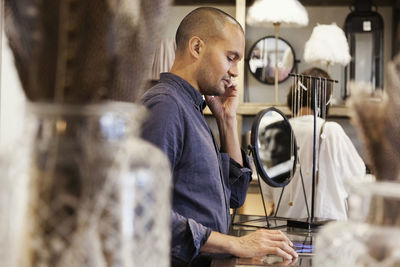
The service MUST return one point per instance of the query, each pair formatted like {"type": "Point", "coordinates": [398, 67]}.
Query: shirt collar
{"type": "Point", "coordinates": [194, 96]}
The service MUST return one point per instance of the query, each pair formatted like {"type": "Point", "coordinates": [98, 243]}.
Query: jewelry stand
{"type": "Point", "coordinates": [312, 222]}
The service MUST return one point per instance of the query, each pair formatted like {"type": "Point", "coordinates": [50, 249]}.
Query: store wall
{"type": "Point", "coordinates": [297, 37]}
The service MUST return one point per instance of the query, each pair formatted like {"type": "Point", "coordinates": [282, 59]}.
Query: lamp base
{"type": "Point", "coordinates": [307, 223]}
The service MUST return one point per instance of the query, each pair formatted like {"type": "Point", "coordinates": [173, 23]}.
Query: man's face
{"type": "Point", "coordinates": [219, 62]}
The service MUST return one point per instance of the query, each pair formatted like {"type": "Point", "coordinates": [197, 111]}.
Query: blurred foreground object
{"type": "Point", "coordinates": [371, 236]}
{"type": "Point", "coordinates": [377, 120]}
{"type": "Point", "coordinates": [90, 195]}
{"type": "Point", "coordinates": [83, 51]}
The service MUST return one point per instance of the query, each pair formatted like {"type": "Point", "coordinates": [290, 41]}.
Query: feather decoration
{"type": "Point", "coordinates": [377, 121]}
{"type": "Point", "coordinates": [70, 51]}
{"type": "Point", "coordinates": [378, 124]}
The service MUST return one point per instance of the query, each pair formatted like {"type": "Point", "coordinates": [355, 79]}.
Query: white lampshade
{"type": "Point", "coordinates": [327, 45]}
{"type": "Point", "coordinates": [266, 13]}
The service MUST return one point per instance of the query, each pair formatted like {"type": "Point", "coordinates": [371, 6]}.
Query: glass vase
{"type": "Point", "coordinates": [96, 194]}
{"type": "Point", "coordinates": [371, 235]}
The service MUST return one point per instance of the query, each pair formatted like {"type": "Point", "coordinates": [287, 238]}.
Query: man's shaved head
{"type": "Point", "coordinates": [204, 22]}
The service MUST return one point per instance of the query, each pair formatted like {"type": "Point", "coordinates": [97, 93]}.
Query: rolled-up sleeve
{"type": "Point", "coordinates": [188, 237]}
{"type": "Point", "coordinates": [239, 180]}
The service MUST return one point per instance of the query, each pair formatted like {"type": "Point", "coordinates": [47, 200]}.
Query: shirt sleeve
{"type": "Point", "coordinates": [162, 128]}
{"type": "Point", "coordinates": [239, 180]}
{"type": "Point", "coordinates": [188, 237]}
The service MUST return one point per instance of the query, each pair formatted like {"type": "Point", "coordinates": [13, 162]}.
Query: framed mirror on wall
{"type": "Point", "coordinates": [261, 60]}
{"type": "Point", "coordinates": [364, 31]}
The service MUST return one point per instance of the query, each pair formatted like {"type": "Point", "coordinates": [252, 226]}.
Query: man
{"type": "Point", "coordinates": [207, 181]}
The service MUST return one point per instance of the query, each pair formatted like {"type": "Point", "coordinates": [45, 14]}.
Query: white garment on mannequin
{"type": "Point", "coordinates": [164, 57]}
{"type": "Point", "coordinates": [339, 163]}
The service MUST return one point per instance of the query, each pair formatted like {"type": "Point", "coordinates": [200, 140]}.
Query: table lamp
{"type": "Point", "coordinates": [282, 13]}
{"type": "Point", "coordinates": [327, 46]}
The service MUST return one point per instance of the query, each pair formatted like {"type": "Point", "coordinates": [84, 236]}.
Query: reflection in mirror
{"type": "Point", "coordinates": [274, 146]}
{"type": "Point", "coordinates": [262, 60]}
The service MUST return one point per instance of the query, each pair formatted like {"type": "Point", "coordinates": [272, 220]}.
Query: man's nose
{"type": "Point", "coordinates": [233, 70]}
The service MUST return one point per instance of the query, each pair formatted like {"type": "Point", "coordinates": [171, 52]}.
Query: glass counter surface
{"type": "Point", "coordinates": [245, 224]}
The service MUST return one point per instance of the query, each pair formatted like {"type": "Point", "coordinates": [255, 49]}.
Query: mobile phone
{"type": "Point", "coordinates": [303, 246]}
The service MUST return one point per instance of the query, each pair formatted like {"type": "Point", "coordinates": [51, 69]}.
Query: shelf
{"type": "Point", "coordinates": [247, 109]}
{"type": "Point", "coordinates": [251, 109]}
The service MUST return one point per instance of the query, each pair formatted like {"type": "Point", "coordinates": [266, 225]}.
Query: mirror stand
{"type": "Point", "coordinates": [257, 222]}
{"type": "Point", "coordinates": [252, 150]}
{"type": "Point", "coordinates": [305, 223]}
{"type": "Point", "coordinates": [279, 222]}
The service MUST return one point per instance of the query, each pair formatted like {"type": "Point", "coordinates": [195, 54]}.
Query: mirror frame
{"type": "Point", "coordinates": [254, 45]}
{"type": "Point", "coordinates": [254, 141]}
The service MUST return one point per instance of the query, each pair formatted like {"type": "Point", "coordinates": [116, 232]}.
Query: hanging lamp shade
{"type": "Point", "coordinates": [266, 13]}
{"type": "Point", "coordinates": [327, 45]}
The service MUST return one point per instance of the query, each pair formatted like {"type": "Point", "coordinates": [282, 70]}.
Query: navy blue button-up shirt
{"type": "Point", "coordinates": [206, 182]}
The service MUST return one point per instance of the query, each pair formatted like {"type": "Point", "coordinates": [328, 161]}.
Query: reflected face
{"type": "Point", "coordinates": [275, 150]}
{"type": "Point", "coordinates": [274, 146]}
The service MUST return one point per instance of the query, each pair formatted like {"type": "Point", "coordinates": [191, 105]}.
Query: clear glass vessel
{"type": "Point", "coordinates": [95, 193]}
{"type": "Point", "coordinates": [371, 235]}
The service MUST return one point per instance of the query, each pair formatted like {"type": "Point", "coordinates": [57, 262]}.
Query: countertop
{"type": "Point", "coordinates": [245, 224]}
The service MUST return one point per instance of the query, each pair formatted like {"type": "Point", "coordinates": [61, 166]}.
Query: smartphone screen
{"type": "Point", "coordinates": [303, 246]}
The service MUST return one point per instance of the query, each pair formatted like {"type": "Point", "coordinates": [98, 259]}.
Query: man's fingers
{"type": "Point", "coordinates": [276, 260]}
{"type": "Point", "coordinates": [279, 242]}
{"type": "Point", "coordinates": [265, 242]}
{"type": "Point", "coordinates": [280, 236]}
{"type": "Point", "coordinates": [281, 249]}
{"type": "Point", "coordinates": [276, 235]}
{"type": "Point", "coordinates": [233, 85]}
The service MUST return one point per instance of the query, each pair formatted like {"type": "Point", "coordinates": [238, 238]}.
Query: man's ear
{"type": "Point", "coordinates": [196, 46]}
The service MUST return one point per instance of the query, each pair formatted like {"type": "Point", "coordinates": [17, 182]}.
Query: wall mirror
{"type": "Point", "coordinates": [364, 31]}
{"type": "Point", "coordinates": [261, 60]}
{"type": "Point", "coordinates": [274, 147]}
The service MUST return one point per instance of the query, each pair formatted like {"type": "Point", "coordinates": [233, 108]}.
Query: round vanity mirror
{"type": "Point", "coordinates": [262, 60]}
{"type": "Point", "coordinates": [274, 147]}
